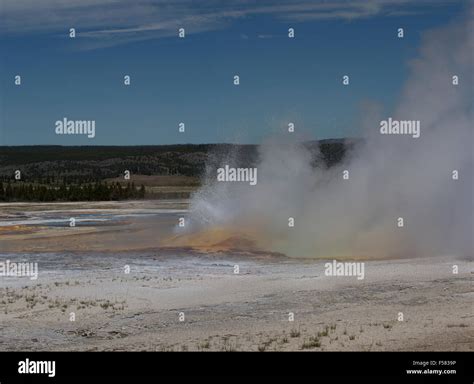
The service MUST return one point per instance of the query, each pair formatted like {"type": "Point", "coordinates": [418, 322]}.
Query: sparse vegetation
{"type": "Point", "coordinates": [324, 333]}
{"type": "Point", "coordinates": [312, 342]}
{"type": "Point", "coordinates": [205, 345]}
{"type": "Point", "coordinates": [295, 333]}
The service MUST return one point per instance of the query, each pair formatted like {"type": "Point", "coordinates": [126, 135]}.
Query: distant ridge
{"type": "Point", "coordinates": [95, 163]}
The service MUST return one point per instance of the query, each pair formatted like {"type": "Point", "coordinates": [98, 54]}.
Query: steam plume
{"type": "Point", "coordinates": [390, 176]}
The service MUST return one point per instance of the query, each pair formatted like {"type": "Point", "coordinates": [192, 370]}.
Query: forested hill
{"type": "Point", "coordinates": [86, 164]}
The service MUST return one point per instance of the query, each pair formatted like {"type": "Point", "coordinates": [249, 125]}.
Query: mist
{"type": "Point", "coordinates": [389, 176]}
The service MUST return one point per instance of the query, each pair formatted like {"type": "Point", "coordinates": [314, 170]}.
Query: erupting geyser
{"type": "Point", "coordinates": [403, 195]}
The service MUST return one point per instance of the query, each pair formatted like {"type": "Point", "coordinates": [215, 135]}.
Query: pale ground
{"type": "Point", "coordinates": [223, 310]}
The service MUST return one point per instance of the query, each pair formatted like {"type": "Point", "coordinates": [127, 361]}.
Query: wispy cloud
{"type": "Point", "coordinates": [110, 22]}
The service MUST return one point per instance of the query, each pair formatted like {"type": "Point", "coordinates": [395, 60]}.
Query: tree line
{"type": "Point", "coordinates": [85, 192]}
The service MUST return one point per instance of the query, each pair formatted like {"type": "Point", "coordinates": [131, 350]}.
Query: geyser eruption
{"type": "Point", "coordinates": [405, 195]}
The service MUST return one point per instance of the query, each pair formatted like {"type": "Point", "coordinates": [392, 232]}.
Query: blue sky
{"type": "Point", "coordinates": [190, 80]}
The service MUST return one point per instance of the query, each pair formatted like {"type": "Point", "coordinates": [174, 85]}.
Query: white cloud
{"type": "Point", "coordinates": [109, 22]}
